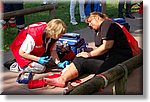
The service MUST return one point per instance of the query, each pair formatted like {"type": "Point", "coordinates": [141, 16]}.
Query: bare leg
{"type": "Point", "coordinates": [69, 74]}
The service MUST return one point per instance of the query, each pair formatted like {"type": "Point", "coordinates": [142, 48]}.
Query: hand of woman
{"type": "Point", "coordinates": [83, 54]}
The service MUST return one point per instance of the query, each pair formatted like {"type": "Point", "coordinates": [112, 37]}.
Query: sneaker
{"type": "Point", "coordinates": [20, 27]}
{"type": "Point", "coordinates": [82, 20]}
{"type": "Point", "coordinates": [9, 63]}
{"type": "Point", "coordinates": [44, 3]}
{"type": "Point", "coordinates": [12, 22]}
{"type": "Point", "coordinates": [14, 67]}
{"type": "Point", "coordinates": [73, 22]}
{"type": "Point", "coordinates": [130, 16]}
{"type": "Point", "coordinates": [3, 24]}
{"type": "Point", "coordinates": [34, 67]}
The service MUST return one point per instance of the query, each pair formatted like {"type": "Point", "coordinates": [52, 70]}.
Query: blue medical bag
{"type": "Point", "coordinates": [71, 41]}
{"type": "Point", "coordinates": [123, 22]}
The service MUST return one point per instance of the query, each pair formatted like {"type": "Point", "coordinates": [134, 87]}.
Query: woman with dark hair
{"type": "Point", "coordinates": [112, 48]}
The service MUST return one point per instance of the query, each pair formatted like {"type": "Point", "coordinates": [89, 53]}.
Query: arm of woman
{"type": "Point", "coordinates": [102, 49]}
{"type": "Point", "coordinates": [55, 55]}
{"type": "Point", "coordinates": [28, 56]}
{"type": "Point", "coordinates": [107, 44]}
{"type": "Point", "coordinates": [26, 47]}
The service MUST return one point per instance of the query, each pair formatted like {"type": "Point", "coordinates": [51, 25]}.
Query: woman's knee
{"type": "Point", "coordinates": [35, 67]}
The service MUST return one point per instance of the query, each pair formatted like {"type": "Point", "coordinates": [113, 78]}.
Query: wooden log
{"type": "Point", "coordinates": [120, 85]}
{"type": "Point", "coordinates": [28, 11]}
{"type": "Point", "coordinates": [113, 74]}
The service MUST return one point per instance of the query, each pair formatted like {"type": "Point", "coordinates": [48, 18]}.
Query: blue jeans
{"type": "Point", "coordinates": [81, 8]}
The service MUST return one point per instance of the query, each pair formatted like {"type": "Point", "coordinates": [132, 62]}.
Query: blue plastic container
{"type": "Point", "coordinates": [123, 22]}
{"type": "Point", "coordinates": [73, 40]}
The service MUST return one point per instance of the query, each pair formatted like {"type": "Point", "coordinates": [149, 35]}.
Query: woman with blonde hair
{"type": "Point", "coordinates": [36, 43]}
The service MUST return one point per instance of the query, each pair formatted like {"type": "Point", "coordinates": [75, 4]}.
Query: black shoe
{"type": "Point", "coordinates": [9, 63]}
{"type": "Point", "coordinates": [130, 16]}
{"type": "Point", "coordinates": [44, 4]}
{"type": "Point", "coordinates": [19, 29]}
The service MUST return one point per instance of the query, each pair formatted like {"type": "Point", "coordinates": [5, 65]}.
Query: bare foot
{"type": "Point", "coordinates": [58, 82]}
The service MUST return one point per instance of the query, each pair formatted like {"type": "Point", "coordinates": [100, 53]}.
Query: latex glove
{"type": "Point", "coordinates": [43, 60]}
{"type": "Point", "coordinates": [63, 64]}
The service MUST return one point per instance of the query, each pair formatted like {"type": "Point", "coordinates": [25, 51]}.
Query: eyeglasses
{"type": "Point", "coordinates": [90, 21]}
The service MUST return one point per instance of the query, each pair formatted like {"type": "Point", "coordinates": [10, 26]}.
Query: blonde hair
{"type": "Point", "coordinates": [55, 28]}
{"type": "Point", "coordinates": [94, 14]}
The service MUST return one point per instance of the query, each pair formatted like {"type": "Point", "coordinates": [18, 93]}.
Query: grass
{"type": "Point", "coordinates": [62, 12]}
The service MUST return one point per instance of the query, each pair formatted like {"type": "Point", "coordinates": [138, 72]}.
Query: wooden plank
{"type": "Point", "coordinates": [28, 11]}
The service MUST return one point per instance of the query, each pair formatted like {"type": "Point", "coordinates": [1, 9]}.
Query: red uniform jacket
{"type": "Point", "coordinates": [131, 40]}
{"type": "Point", "coordinates": [36, 31]}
